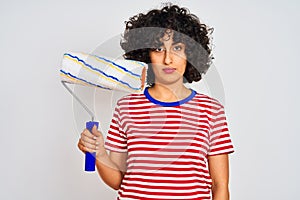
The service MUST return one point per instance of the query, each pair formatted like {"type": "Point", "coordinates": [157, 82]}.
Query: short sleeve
{"type": "Point", "coordinates": [219, 137]}
{"type": "Point", "coordinates": [116, 139]}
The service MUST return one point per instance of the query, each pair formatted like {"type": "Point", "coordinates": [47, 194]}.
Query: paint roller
{"type": "Point", "coordinates": [101, 72]}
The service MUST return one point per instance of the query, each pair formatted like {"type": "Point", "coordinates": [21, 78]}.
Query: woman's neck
{"type": "Point", "coordinates": [168, 93]}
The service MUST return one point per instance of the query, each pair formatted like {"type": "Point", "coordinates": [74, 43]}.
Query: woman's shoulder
{"type": "Point", "coordinates": [207, 99]}
{"type": "Point", "coordinates": [131, 98]}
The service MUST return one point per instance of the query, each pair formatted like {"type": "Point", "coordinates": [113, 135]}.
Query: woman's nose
{"type": "Point", "coordinates": [168, 57]}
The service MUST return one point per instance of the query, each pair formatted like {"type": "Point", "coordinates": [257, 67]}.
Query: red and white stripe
{"type": "Point", "coordinates": [168, 146]}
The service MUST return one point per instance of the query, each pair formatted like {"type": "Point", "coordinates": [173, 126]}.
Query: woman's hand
{"type": "Point", "coordinates": [92, 142]}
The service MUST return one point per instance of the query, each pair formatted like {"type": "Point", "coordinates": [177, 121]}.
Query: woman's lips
{"type": "Point", "coordinates": [169, 70]}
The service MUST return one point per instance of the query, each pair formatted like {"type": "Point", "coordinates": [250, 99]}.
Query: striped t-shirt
{"type": "Point", "coordinates": [168, 144]}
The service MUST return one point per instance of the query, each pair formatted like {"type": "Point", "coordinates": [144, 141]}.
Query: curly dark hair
{"type": "Point", "coordinates": [144, 31]}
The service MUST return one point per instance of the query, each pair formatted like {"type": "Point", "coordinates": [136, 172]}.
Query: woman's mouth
{"type": "Point", "coordinates": [169, 70]}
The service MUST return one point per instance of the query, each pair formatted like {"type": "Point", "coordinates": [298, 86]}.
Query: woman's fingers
{"type": "Point", "coordinates": [89, 142]}
{"type": "Point", "coordinates": [87, 147]}
{"type": "Point", "coordinates": [87, 133]}
{"type": "Point", "coordinates": [81, 147]}
{"type": "Point", "coordinates": [96, 132]}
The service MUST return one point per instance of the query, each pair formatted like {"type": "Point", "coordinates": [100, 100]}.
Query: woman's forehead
{"type": "Point", "coordinates": [171, 36]}
{"type": "Point", "coordinates": [168, 35]}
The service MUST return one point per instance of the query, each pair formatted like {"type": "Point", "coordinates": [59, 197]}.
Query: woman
{"type": "Point", "coordinates": [169, 142]}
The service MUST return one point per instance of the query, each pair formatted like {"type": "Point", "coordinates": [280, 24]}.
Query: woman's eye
{"type": "Point", "coordinates": [177, 48]}
{"type": "Point", "coordinates": [159, 49]}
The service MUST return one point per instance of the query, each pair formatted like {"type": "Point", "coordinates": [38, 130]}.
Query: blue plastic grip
{"type": "Point", "coordinates": [90, 158]}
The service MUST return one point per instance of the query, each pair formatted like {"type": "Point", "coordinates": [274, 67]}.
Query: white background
{"type": "Point", "coordinates": [256, 46]}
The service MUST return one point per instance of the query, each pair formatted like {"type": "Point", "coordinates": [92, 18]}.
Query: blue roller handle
{"type": "Point", "coordinates": [90, 158]}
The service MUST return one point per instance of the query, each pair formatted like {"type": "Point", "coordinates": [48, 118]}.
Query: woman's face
{"type": "Point", "coordinates": [168, 61]}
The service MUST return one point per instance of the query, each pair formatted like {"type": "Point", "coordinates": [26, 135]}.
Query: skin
{"type": "Point", "coordinates": [219, 172]}
{"type": "Point", "coordinates": [169, 64]}
{"type": "Point", "coordinates": [110, 167]}
{"type": "Point", "coordinates": [169, 86]}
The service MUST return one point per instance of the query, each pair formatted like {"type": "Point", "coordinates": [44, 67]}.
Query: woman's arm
{"type": "Point", "coordinates": [110, 167]}
{"type": "Point", "coordinates": [219, 172]}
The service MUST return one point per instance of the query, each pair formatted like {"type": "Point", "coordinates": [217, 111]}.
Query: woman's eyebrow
{"type": "Point", "coordinates": [173, 43]}
{"type": "Point", "coordinates": [177, 43]}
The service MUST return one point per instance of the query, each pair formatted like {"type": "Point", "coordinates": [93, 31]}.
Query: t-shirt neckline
{"type": "Point", "coordinates": [174, 103]}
